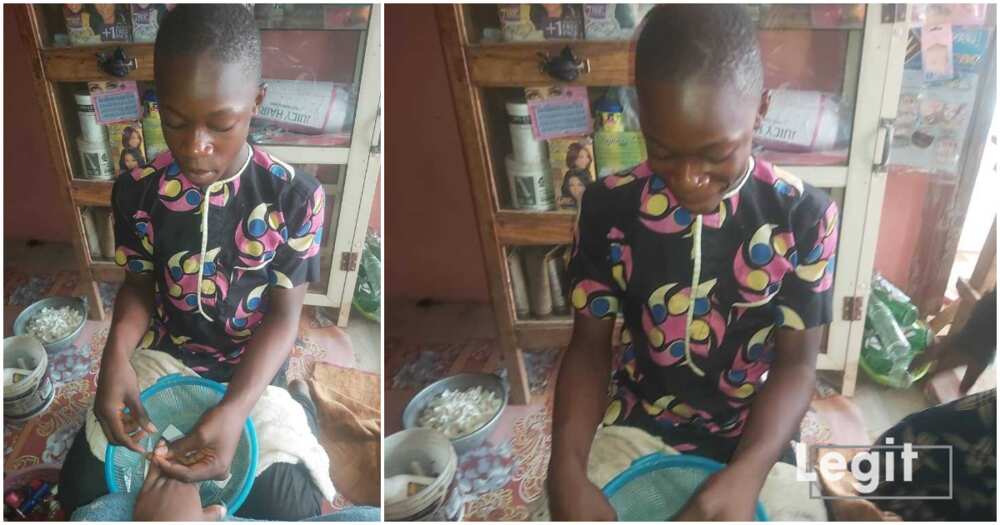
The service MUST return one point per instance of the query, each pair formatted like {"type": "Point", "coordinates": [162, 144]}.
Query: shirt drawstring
{"type": "Point", "coordinates": [205, 206]}
{"type": "Point", "coordinates": [695, 278]}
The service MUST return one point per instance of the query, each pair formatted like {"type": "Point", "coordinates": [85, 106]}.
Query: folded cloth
{"type": "Point", "coordinates": [616, 447]}
{"type": "Point", "coordinates": [283, 434]}
{"type": "Point", "coordinates": [349, 416]}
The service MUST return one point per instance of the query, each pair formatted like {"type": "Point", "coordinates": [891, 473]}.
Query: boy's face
{"type": "Point", "coordinates": [698, 137]}
{"type": "Point", "coordinates": [205, 108]}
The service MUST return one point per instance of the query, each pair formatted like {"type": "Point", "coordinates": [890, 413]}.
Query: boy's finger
{"type": "Point", "coordinates": [140, 416]}
{"type": "Point", "coordinates": [182, 472]}
{"type": "Point", "coordinates": [115, 432]}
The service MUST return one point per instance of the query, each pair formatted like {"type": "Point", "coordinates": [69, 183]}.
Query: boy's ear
{"type": "Point", "coordinates": [765, 102]}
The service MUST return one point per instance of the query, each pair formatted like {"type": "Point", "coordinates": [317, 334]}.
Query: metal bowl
{"type": "Point", "coordinates": [21, 322]}
{"type": "Point", "coordinates": [472, 440]}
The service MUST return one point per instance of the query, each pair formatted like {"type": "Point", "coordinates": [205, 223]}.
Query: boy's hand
{"type": "Point", "coordinates": [724, 496]}
{"type": "Point", "coordinates": [117, 389]}
{"type": "Point", "coordinates": [207, 451]}
{"type": "Point", "coordinates": [166, 499]}
{"type": "Point", "coordinates": [577, 499]}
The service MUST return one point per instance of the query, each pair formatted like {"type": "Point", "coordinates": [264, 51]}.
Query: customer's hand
{"type": "Point", "coordinates": [725, 496]}
{"type": "Point", "coordinates": [207, 451]}
{"type": "Point", "coordinates": [572, 497]}
{"type": "Point", "coordinates": [166, 499]}
{"type": "Point", "coordinates": [948, 355]}
{"type": "Point", "coordinates": [118, 389]}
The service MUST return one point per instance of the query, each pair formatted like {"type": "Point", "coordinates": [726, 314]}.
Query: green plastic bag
{"type": "Point", "coordinates": [368, 292]}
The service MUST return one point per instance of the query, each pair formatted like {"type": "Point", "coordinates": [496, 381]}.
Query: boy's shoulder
{"type": "Point", "coordinates": [137, 182]}
{"type": "Point", "coordinates": [282, 177]}
{"type": "Point", "coordinates": [618, 189]}
{"type": "Point", "coordinates": [780, 187]}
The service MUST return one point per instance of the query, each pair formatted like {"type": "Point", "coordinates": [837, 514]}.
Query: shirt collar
{"type": "Point", "coordinates": [743, 180]}
{"type": "Point", "coordinates": [221, 183]}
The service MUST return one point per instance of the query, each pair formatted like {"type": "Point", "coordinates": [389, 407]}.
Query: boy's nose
{"type": "Point", "coordinates": [200, 146]}
{"type": "Point", "coordinates": [689, 176]}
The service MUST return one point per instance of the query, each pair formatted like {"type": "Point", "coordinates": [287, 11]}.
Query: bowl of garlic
{"type": "Point", "coordinates": [55, 321]}
{"type": "Point", "coordinates": [463, 407]}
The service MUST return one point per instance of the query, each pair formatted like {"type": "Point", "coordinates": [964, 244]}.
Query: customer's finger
{"type": "Point", "coordinates": [214, 513]}
{"type": "Point", "coordinates": [972, 374]}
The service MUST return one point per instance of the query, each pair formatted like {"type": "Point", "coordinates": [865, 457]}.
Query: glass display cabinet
{"type": "Point", "coordinates": [321, 115]}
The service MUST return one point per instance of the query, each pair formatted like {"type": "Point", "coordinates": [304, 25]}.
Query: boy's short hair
{"type": "Point", "coordinates": [713, 42]}
{"type": "Point", "coordinates": [227, 32]}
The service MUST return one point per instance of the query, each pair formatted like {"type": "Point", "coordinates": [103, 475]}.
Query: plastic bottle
{"type": "Point", "coordinates": [900, 304]}
{"type": "Point", "coordinates": [894, 343]}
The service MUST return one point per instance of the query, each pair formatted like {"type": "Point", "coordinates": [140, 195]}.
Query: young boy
{"type": "Point", "coordinates": [219, 241]}
{"type": "Point", "coordinates": [721, 265]}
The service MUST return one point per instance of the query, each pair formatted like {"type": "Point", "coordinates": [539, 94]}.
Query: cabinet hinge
{"type": "Point", "coordinates": [852, 308]}
{"type": "Point", "coordinates": [348, 261]}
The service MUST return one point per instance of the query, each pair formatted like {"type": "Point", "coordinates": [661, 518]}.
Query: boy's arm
{"type": "Point", "coordinates": [213, 442]}
{"type": "Point", "coordinates": [267, 351]}
{"type": "Point", "coordinates": [775, 415]}
{"type": "Point", "coordinates": [581, 398]}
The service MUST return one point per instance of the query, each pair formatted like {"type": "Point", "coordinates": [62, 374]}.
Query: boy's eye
{"type": "Point", "coordinates": [223, 129]}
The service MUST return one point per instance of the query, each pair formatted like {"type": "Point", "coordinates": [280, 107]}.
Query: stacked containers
{"type": "Point", "coordinates": [527, 167]}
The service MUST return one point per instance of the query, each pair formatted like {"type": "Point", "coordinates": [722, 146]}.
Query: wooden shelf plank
{"type": "Point", "coordinates": [522, 228]}
{"type": "Point", "coordinates": [91, 192]}
{"type": "Point", "coordinates": [551, 333]}
{"type": "Point", "coordinates": [106, 271]}
{"type": "Point", "coordinates": [79, 64]}
{"type": "Point", "coordinates": [517, 64]}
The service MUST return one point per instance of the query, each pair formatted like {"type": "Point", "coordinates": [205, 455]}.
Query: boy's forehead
{"type": "Point", "coordinates": [204, 77]}
{"type": "Point", "coordinates": [696, 112]}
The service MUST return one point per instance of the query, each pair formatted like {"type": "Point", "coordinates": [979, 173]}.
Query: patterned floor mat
{"type": "Point", "coordinates": [46, 438]}
{"type": "Point", "coordinates": [504, 479]}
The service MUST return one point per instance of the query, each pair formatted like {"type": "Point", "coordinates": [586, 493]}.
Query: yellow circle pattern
{"type": "Point", "coordinates": [758, 280]}
{"type": "Point", "coordinates": [579, 297]}
{"type": "Point", "coordinates": [657, 204]}
{"type": "Point", "coordinates": [655, 337]}
{"type": "Point", "coordinates": [699, 330]}
{"type": "Point", "coordinates": [678, 304]}
{"type": "Point", "coordinates": [172, 188]}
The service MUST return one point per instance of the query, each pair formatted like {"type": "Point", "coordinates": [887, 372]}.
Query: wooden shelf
{"type": "Point", "coordinates": [525, 228]}
{"type": "Point", "coordinates": [517, 64]}
{"type": "Point", "coordinates": [91, 192]}
{"type": "Point", "coordinates": [79, 64]}
{"type": "Point", "coordinates": [550, 333]}
{"type": "Point", "coordinates": [106, 271]}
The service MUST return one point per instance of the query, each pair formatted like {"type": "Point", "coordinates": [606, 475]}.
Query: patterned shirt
{"type": "Point", "coordinates": [701, 295]}
{"type": "Point", "coordinates": [215, 254]}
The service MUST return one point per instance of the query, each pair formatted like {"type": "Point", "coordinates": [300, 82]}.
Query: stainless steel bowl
{"type": "Point", "coordinates": [470, 441]}
{"type": "Point", "coordinates": [21, 322]}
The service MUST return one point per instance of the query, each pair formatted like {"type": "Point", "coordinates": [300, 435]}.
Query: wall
{"type": "Point", "coordinates": [900, 226]}
{"type": "Point", "coordinates": [34, 207]}
{"type": "Point", "coordinates": [432, 241]}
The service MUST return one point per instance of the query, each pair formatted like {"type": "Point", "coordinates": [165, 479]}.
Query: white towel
{"type": "Point", "coordinates": [283, 433]}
